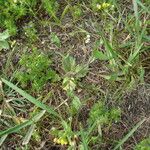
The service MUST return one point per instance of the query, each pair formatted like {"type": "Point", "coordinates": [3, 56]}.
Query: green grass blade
{"type": "Point", "coordinates": [2, 139]}
{"type": "Point", "coordinates": [135, 7]}
{"type": "Point", "coordinates": [65, 11]}
{"type": "Point", "coordinates": [23, 125]}
{"type": "Point", "coordinates": [16, 128]}
{"type": "Point", "coordinates": [129, 134]}
{"type": "Point", "coordinates": [31, 99]}
{"type": "Point", "coordinates": [84, 140]}
{"type": "Point", "coordinates": [136, 14]}
{"type": "Point", "coordinates": [144, 8]}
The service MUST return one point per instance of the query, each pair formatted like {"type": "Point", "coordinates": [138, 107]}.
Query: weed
{"type": "Point", "coordinates": [73, 72]}
{"type": "Point", "coordinates": [65, 136]}
{"type": "Point", "coordinates": [35, 70]}
{"type": "Point", "coordinates": [11, 11]}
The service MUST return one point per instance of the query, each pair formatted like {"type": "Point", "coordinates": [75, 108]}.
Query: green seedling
{"type": "Point", "coordinates": [98, 5]}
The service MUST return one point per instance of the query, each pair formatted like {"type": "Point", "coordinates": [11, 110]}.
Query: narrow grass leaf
{"type": "Point", "coordinates": [2, 139]}
{"type": "Point", "coordinates": [83, 137]}
{"type": "Point", "coordinates": [129, 134]}
{"type": "Point", "coordinates": [135, 7]}
{"type": "Point", "coordinates": [28, 135]}
{"type": "Point", "coordinates": [65, 11]}
{"type": "Point", "coordinates": [31, 99]}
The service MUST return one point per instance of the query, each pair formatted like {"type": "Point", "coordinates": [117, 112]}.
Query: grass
{"type": "Point", "coordinates": [74, 74]}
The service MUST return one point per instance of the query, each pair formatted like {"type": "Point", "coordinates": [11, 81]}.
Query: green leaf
{"type": "Point", "coordinates": [4, 45]}
{"type": "Point", "coordinates": [121, 142]}
{"type": "Point", "coordinates": [100, 55]}
{"type": "Point", "coordinates": [23, 125]}
{"type": "Point", "coordinates": [84, 140]}
{"type": "Point", "coordinates": [31, 99]}
{"type": "Point", "coordinates": [68, 63]}
{"type": "Point", "coordinates": [81, 71]}
{"type": "Point", "coordinates": [4, 35]}
{"type": "Point", "coordinates": [55, 40]}
{"type": "Point", "coordinates": [69, 84]}
{"type": "Point", "coordinates": [76, 103]}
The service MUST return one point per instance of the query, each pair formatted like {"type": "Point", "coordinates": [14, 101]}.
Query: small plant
{"type": "Point", "coordinates": [35, 70]}
{"type": "Point", "coordinates": [73, 72]}
{"type": "Point", "coordinates": [99, 116]}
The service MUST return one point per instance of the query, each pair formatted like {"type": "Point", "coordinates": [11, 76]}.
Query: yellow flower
{"type": "Point", "coordinates": [55, 140]}
{"type": "Point", "coordinates": [103, 6]}
{"type": "Point", "coordinates": [61, 141]}
{"type": "Point", "coordinates": [18, 120]}
{"type": "Point", "coordinates": [15, 1]}
{"type": "Point", "coordinates": [98, 6]}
